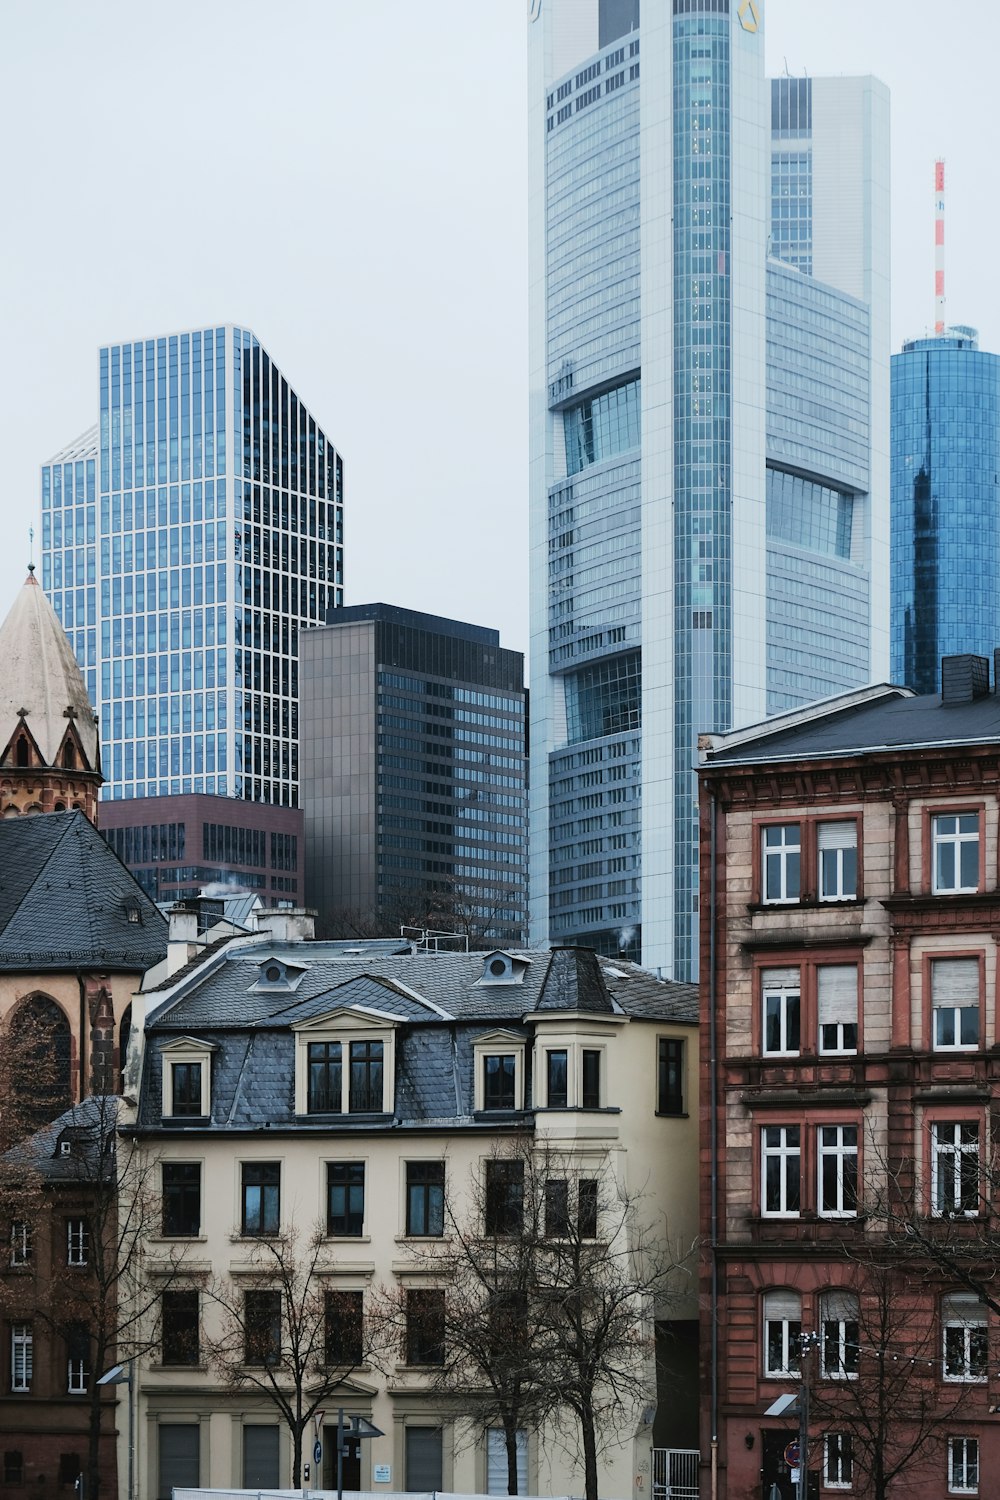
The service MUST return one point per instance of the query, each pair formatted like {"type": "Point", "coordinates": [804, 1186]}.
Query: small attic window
{"type": "Point", "coordinates": [132, 912]}
{"type": "Point", "coordinates": [69, 756]}
{"type": "Point", "coordinates": [274, 974]}
{"type": "Point", "coordinates": [500, 967]}
{"type": "Point", "coordinates": [65, 1148]}
{"type": "Point", "coordinates": [22, 751]}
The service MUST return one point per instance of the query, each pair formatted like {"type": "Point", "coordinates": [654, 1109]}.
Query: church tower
{"type": "Point", "coordinates": [50, 760]}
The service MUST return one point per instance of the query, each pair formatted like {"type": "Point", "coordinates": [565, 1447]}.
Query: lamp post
{"type": "Point", "coordinates": [123, 1375]}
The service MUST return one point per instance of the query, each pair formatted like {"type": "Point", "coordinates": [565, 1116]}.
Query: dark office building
{"type": "Point", "coordinates": [413, 774]}
{"type": "Point", "coordinates": [177, 847]}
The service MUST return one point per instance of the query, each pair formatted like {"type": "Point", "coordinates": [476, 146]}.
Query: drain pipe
{"type": "Point", "coordinates": [713, 1137]}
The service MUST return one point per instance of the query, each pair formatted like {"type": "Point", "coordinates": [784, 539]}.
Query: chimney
{"type": "Point", "coordinates": [964, 678]}
{"type": "Point", "coordinates": [286, 925]}
{"type": "Point", "coordinates": [182, 935]}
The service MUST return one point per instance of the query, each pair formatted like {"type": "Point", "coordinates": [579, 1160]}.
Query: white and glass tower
{"type": "Point", "coordinates": [701, 439]}
{"type": "Point", "coordinates": [185, 541]}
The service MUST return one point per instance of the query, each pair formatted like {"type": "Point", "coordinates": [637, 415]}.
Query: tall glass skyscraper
{"type": "Point", "coordinates": [707, 428]}
{"type": "Point", "coordinates": [945, 505]}
{"type": "Point", "coordinates": [185, 541]}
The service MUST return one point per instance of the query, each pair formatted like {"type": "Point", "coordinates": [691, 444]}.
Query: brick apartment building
{"type": "Point", "coordinates": [850, 945]}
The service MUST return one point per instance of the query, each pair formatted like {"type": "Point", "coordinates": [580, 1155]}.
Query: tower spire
{"type": "Point", "coordinates": [939, 246]}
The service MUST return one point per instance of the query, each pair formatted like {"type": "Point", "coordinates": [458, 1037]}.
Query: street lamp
{"type": "Point", "coordinates": [790, 1405]}
{"type": "Point", "coordinates": [122, 1375]}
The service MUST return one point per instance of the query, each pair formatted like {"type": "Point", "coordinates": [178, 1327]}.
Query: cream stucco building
{"type": "Point", "coordinates": [283, 1083]}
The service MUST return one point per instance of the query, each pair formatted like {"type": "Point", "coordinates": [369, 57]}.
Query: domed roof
{"type": "Point", "coordinates": [41, 678]}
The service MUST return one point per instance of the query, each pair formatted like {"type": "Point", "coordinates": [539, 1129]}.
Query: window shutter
{"type": "Point", "coordinates": [837, 835]}
{"type": "Point", "coordinates": [423, 1458]}
{"type": "Point", "coordinates": [260, 1457]}
{"type": "Point", "coordinates": [964, 1307]}
{"type": "Point", "coordinates": [783, 1306]}
{"type": "Point", "coordinates": [179, 1456]}
{"type": "Point", "coordinates": [496, 1461]}
{"type": "Point", "coordinates": [837, 993]}
{"type": "Point", "coordinates": [840, 1307]}
{"type": "Point", "coordinates": [779, 979]}
{"type": "Point", "coordinates": [955, 981]}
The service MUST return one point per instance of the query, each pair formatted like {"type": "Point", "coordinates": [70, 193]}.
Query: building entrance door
{"type": "Point", "coordinates": [776, 1472]}
{"type": "Point", "coordinates": [352, 1460]}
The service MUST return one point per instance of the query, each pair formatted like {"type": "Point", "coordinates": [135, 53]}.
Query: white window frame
{"type": "Point", "coordinates": [785, 1152]}
{"type": "Point", "coordinates": [840, 1326]}
{"type": "Point", "coordinates": [21, 1356]}
{"type": "Point", "coordinates": [778, 856]}
{"type": "Point", "coordinates": [187, 1050]}
{"type": "Point", "coordinates": [947, 1158]}
{"type": "Point", "coordinates": [836, 1009]}
{"type": "Point", "coordinates": [20, 1243]}
{"type": "Point", "coordinates": [77, 1242]}
{"type": "Point", "coordinates": [836, 1461]}
{"type": "Point", "coordinates": [789, 997]}
{"type": "Point", "coordinates": [963, 1455]}
{"type": "Point", "coordinates": [76, 1377]}
{"type": "Point", "coordinates": [840, 1150]}
{"type": "Point", "coordinates": [951, 1013]}
{"type": "Point", "coordinates": [824, 831]}
{"type": "Point", "coordinates": [954, 839]}
{"type": "Point", "coordinates": [507, 1044]}
{"type": "Point", "coordinates": [964, 1324]}
{"type": "Point", "coordinates": [789, 1336]}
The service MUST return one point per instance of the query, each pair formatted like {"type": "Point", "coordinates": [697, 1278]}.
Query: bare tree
{"type": "Point", "coordinates": [874, 1367]}
{"type": "Point", "coordinates": [467, 1321]}
{"type": "Point", "coordinates": [282, 1331]}
{"type": "Point", "coordinates": [549, 1283]}
{"type": "Point", "coordinates": [94, 1197]}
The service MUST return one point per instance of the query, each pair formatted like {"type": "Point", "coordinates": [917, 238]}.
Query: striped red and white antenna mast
{"type": "Point", "coordinates": [939, 246]}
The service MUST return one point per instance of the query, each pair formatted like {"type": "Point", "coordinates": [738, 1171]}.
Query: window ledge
{"type": "Point", "coordinates": [807, 903]}
{"type": "Point", "coordinates": [423, 1239]}
{"type": "Point", "coordinates": [348, 1239]}
{"type": "Point", "coordinates": [188, 1369]}
{"type": "Point", "coordinates": [672, 1114]}
{"type": "Point", "coordinates": [171, 1239]}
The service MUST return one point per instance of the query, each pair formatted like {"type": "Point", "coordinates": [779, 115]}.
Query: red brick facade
{"type": "Point", "coordinates": [802, 1102]}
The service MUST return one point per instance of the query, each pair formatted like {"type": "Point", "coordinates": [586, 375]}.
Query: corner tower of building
{"type": "Point", "coordinates": [50, 757]}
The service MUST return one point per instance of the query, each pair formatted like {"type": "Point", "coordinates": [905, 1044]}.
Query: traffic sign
{"type": "Point", "coordinates": [792, 1453]}
{"type": "Point", "coordinates": [317, 1453]}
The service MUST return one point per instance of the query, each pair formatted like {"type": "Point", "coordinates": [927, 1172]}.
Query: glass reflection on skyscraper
{"type": "Point", "coordinates": [185, 540]}
{"type": "Point", "coordinates": [945, 505]}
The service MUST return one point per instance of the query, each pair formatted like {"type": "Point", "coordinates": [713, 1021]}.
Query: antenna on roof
{"type": "Point", "coordinates": [939, 245]}
{"type": "Point", "coordinates": [31, 549]}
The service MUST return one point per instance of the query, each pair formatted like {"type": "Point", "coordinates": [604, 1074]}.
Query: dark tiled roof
{"type": "Point", "coordinates": [574, 982]}
{"type": "Point", "coordinates": [890, 719]}
{"type": "Point", "coordinates": [86, 1126]}
{"type": "Point", "coordinates": [437, 999]}
{"type": "Point", "coordinates": [64, 900]}
{"type": "Point", "coordinates": [641, 994]}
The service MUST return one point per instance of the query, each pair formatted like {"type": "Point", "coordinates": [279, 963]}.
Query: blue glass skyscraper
{"type": "Point", "coordinates": [708, 433]}
{"type": "Point", "coordinates": [945, 589]}
{"type": "Point", "coordinates": [185, 541]}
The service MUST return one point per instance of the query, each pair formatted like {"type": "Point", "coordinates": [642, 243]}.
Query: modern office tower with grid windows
{"type": "Point", "coordinates": [186, 539]}
{"type": "Point", "coordinates": [708, 434]}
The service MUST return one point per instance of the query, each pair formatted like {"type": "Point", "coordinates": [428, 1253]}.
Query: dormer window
{"type": "Point", "coordinates": [344, 1066]}
{"type": "Point", "coordinates": [275, 974]}
{"type": "Point", "coordinates": [187, 1077]}
{"type": "Point", "coordinates": [501, 967]}
{"type": "Point", "coordinates": [499, 1077]}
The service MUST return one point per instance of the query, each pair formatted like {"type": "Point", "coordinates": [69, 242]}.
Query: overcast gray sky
{"type": "Point", "coordinates": [347, 178]}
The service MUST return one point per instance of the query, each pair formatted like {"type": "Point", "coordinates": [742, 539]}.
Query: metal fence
{"type": "Point", "coordinates": [675, 1473]}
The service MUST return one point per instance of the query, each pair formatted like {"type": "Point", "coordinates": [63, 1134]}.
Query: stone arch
{"type": "Point", "coordinates": [69, 756]}
{"type": "Point", "coordinates": [42, 1040]}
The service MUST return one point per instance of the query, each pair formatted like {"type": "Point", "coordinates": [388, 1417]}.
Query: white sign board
{"type": "Point", "coordinates": [382, 1474]}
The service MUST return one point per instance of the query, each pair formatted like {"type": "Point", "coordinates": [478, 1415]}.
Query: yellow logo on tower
{"type": "Point", "coordinates": [749, 15]}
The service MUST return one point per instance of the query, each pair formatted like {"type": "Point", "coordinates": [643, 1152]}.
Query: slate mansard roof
{"type": "Point", "coordinates": [869, 721]}
{"type": "Point", "coordinates": [440, 1004]}
{"type": "Point", "coordinates": [67, 901]}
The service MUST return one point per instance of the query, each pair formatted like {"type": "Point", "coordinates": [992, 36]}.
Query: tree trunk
{"type": "Point", "coordinates": [297, 1458]}
{"type": "Point", "coordinates": [589, 1431]}
{"type": "Point", "coordinates": [510, 1441]}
